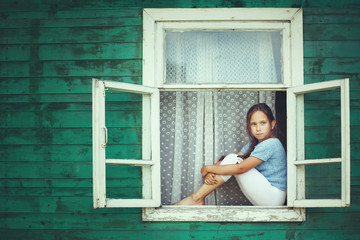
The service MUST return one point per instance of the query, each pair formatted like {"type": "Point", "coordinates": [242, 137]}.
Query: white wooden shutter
{"type": "Point", "coordinates": [295, 146]}
{"type": "Point", "coordinates": [150, 164]}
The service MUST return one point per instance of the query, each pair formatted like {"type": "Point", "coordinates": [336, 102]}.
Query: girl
{"type": "Point", "coordinates": [259, 168]}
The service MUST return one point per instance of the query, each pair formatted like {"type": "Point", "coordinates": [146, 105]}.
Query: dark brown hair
{"type": "Point", "coordinates": [267, 111]}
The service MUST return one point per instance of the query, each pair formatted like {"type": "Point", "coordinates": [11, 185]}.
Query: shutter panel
{"type": "Point", "coordinates": [296, 146]}
{"type": "Point", "coordinates": [150, 162]}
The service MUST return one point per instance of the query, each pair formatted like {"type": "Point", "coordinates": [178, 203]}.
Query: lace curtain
{"type": "Point", "coordinates": [197, 127]}
{"type": "Point", "coordinates": [223, 57]}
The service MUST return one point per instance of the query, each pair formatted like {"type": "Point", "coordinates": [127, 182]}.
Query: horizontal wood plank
{"type": "Point", "coordinates": [68, 170]}
{"type": "Point", "coordinates": [78, 68]}
{"type": "Point", "coordinates": [330, 15]}
{"type": "Point", "coordinates": [64, 152]}
{"type": "Point", "coordinates": [126, 190]}
{"type": "Point", "coordinates": [68, 106]}
{"type": "Point", "coordinates": [63, 98]}
{"type": "Point", "coordinates": [62, 119]}
{"type": "Point", "coordinates": [71, 35]}
{"type": "Point", "coordinates": [82, 18]}
{"type": "Point", "coordinates": [66, 136]}
{"type": "Point", "coordinates": [48, 85]}
{"type": "Point", "coordinates": [330, 32]}
{"type": "Point", "coordinates": [325, 135]}
{"type": "Point", "coordinates": [78, 51]}
{"type": "Point", "coordinates": [331, 49]}
{"type": "Point", "coordinates": [331, 65]}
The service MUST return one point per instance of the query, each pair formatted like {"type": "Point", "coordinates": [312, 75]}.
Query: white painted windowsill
{"type": "Point", "coordinates": [224, 214]}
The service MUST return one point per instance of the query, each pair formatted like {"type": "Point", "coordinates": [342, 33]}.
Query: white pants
{"type": "Point", "coordinates": [256, 188]}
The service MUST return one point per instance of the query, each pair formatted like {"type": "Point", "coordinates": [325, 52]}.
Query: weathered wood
{"type": "Point", "coordinates": [325, 105]}
{"type": "Point", "coordinates": [330, 32]}
{"type": "Point", "coordinates": [91, 18]}
{"type": "Point", "coordinates": [65, 152]}
{"type": "Point", "coordinates": [291, 233]}
{"type": "Point", "coordinates": [61, 119]}
{"type": "Point", "coordinates": [127, 190]}
{"type": "Point", "coordinates": [327, 15]}
{"type": "Point", "coordinates": [328, 150]}
{"type": "Point", "coordinates": [78, 51]}
{"type": "Point", "coordinates": [60, 98]}
{"type": "Point", "coordinates": [71, 35]}
{"type": "Point", "coordinates": [331, 65]}
{"type": "Point", "coordinates": [62, 170]}
{"type": "Point", "coordinates": [222, 214]}
{"type": "Point", "coordinates": [65, 183]}
{"type": "Point", "coordinates": [55, 204]}
{"type": "Point", "coordinates": [324, 135]}
{"type": "Point", "coordinates": [37, 36]}
{"type": "Point", "coordinates": [66, 136]}
{"type": "Point", "coordinates": [68, 106]}
{"type": "Point", "coordinates": [165, 234]}
{"type": "Point", "coordinates": [333, 49]}
{"type": "Point", "coordinates": [79, 68]}
{"type": "Point", "coordinates": [46, 85]}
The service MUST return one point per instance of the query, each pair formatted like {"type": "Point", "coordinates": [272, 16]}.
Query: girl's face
{"type": "Point", "coordinates": [260, 126]}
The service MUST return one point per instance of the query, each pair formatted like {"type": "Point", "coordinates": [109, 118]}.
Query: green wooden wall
{"type": "Point", "coordinates": [50, 50]}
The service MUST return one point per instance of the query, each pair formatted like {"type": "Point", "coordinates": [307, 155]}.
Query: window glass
{"type": "Point", "coordinates": [123, 182]}
{"type": "Point", "coordinates": [323, 181]}
{"type": "Point", "coordinates": [123, 120]}
{"type": "Point", "coordinates": [322, 124]}
{"type": "Point", "coordinates": [322, 120]}
{"type": "Point", "coordinates": [223, 57]}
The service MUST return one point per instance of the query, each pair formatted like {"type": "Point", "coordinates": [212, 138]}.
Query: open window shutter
{"type": "Point", "coordinates": [296, 145]}
{"type": "Point", "coordinates": [150, 162]}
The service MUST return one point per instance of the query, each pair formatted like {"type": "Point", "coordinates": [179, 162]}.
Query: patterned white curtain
{"type": "Point", "coordinates": [197, 127]}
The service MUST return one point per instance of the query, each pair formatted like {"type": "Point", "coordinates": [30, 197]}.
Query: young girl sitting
{"type": "Point", "coordinates": [259, 168]}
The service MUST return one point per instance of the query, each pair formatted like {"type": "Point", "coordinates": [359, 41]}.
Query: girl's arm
{"type": "Point", "coordinates": [232, 169]}
{"type": "Point", "coordinates": [210, 177]}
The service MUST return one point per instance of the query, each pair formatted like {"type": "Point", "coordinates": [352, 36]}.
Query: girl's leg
{"type": "Point", "coordinates": [256, 188]}
{"type": "Point", "coordinates": [198, 197]}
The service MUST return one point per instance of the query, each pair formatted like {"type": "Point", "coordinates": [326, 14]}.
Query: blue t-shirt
{"type": "Point", "coordinates": [273, 167]}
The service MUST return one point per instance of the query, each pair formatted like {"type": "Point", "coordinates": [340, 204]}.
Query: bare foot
{"type": "Point", "coordinates": [190, 201]}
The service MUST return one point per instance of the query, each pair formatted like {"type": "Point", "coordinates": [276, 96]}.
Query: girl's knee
{"type": "Point", "coordinates": [230, 159]}
{"type": "Point", "coordinates": [231, 156]}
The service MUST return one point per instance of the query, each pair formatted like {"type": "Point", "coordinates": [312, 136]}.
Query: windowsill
{"type": "Point", "coordinates": [224, 214]}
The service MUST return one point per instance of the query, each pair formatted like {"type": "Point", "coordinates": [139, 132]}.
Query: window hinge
{"type": "Point", "coordinates": [104, 92]}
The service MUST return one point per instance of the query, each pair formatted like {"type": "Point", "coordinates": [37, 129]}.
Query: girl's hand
{"type": "Point", "coordinates": [204, 171]}
{"type": "Point", "coordinates": [210, 179]}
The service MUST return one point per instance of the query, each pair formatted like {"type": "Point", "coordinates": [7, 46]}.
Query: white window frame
{"type": "Point", "coordinates": [150, 162]}
{"type": "Point", "coordinates": [296, 145]}
{"type": "Point", "coordinates": [155, 23]}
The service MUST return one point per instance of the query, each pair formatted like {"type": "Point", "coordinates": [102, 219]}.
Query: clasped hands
{"type": "Point", "coordinates": [208, 177]}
